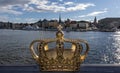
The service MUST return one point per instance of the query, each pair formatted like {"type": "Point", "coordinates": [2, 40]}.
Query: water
{"type": "Point", "coordinates": [14, 46]}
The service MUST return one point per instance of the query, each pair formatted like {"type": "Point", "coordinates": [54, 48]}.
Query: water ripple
{"type": "Point", "coordinates": [14, 46]}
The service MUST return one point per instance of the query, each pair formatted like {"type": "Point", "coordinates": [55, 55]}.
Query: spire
{"type": "Point", "coordinates": [95, 21]}
{"type": "Point", "coordinates": [59, 18]}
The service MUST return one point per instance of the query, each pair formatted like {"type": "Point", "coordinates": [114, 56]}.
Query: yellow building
{"type": "Point", "coordinates": [53, 23]}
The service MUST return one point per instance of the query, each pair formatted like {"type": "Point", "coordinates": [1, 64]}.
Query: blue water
{"type": "Point", "coordinates": [14, 46]}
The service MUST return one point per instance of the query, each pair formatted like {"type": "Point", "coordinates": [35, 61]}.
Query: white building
{"type": "Point", "coordinates": [83, 24]}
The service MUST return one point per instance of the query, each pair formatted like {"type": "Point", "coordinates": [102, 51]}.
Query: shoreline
{"type": "Point", "coordinates": [63, 30]}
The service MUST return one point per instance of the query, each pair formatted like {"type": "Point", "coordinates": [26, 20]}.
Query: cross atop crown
{"type": "Point", "coordinates": [59, 27]}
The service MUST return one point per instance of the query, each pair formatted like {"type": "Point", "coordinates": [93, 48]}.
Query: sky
{"type": "Point", "coordinates": [30, 11]}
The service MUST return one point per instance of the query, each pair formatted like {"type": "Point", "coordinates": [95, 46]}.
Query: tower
{"type": "Point", "coordinates": [60, 18]}
{"type": "Point", "coordinates": [95, 21]}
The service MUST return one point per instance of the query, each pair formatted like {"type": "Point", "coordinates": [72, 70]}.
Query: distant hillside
{"type": "Point", "coordinates": [109, 23]}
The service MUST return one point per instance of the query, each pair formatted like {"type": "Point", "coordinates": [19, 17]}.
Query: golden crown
{"type": "Point", "coordinates": [59, 58]}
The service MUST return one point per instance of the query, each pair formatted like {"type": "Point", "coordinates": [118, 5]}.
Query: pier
{"type": "Point", "coordinates": [85, 68]}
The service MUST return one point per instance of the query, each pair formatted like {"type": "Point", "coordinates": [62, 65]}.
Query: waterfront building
{"type": "Point", "coordinates": [2, 25]}
{"type": "Point", "coordinates": [73, 24]}
{"type": "Point", "coordinates": [39, 23]}
{"type": "Point", "coordinates": [53, 23]}
{"type": "Point", "coordinates": [83, 24]}
{"type": "Point", "coordinates": [45, 23]}
{"type": "Point", "coordinates": [67, 23]}
{"type": "Point", "coordinates": [18, 25]}
{"type": "Point", "coordinates": [8, 25]}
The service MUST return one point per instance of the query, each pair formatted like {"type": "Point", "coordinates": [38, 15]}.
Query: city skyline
{"type": "Point", "coordinates": [28, 11]}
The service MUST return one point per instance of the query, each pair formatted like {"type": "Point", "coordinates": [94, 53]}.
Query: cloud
{"type": "Point", "coordinates": [9, 10]}
{"type": "Point", "coordinates": [68, 3]}
{"type": "Point", "coordinates": [12, 2]}
{"type": "Point", "coordinates": [30, 20]}
{"type": "Point", "coordinates": [96, 13]}
{"type": "Point", "coordinates": [6, 6]}
{"type": "Point", "coordinates": [45, 5]}
{"type": "Point", "coordinates": [79, 7]}
{"type": "Point", "coordinates": [4, 18]}
{"type": "Point", "coordinates": [25, 20]}
{"type": "Point", "coordinates": [19, 6]}
{"type": "Point", "coordinates": [60, 0]}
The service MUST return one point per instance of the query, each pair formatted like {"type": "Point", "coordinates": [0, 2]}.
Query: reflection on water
{"type": "Point", "coordinates": [116, 46]}
{"type": "Point", "coordinates": [14, 46]}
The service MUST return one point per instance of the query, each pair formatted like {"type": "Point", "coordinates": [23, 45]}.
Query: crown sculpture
{"type": "Point", "coordinates": [59, 58]}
